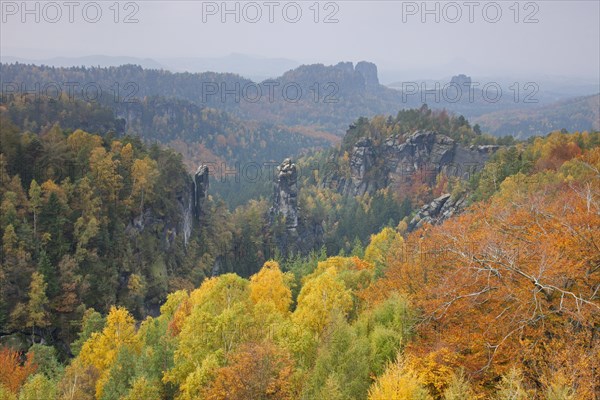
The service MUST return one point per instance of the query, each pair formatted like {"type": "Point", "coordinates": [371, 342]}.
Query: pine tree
{"type": "Point", "coordinates": [35, 203]}
{"type": "Point", "coordinates": [37, 314]}
{"type": "Point", "coordinates": [49, 272]}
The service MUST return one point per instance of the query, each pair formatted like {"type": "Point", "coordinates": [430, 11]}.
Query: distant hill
{"type": "Point", "coordinates": [324, 98]}
{"type": "Point", "coordinates": [577, 114]}
{"type": "Point", "coordinates": [252, 67]}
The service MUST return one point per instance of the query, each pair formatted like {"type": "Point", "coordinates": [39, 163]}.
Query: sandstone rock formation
{"type": "Point", "coordinates": [297, 234]}
{"type": "Point", "coordinates": [463, 81]}
{"type": "Point", "coordinates": [285, 197]}
{"type": "Point", "coordinates": [200, 190]}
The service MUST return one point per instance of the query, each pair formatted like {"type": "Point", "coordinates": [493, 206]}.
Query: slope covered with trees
{"type": "Point", "coordinates": [579, 113]}
{"type": "Point", "coordinates": [100, 221]}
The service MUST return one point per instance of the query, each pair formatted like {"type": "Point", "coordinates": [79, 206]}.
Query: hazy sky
{"type": "Point", "coordinates": [562, 38]}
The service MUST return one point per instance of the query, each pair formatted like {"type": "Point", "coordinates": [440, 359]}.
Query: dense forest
{"type": "Point", "coordinates": [113, 287]}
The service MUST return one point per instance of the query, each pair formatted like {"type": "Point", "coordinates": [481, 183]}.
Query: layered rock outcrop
{"type": "Point", "coordinates": [437, 211]}
{"type": "Point", "coordinates": [365, 176]}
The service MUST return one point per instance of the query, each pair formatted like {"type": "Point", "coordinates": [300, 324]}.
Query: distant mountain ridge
{"type": "Point", "coordinates": [87, 61]}
{"type": "Point", "coordinates": [323, 98]}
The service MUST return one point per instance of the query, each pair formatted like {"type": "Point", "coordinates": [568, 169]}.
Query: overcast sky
{"type": "Point", "coordinates": [562, 38]}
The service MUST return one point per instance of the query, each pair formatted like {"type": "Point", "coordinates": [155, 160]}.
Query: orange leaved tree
{"type": "Point", "coordinates": [13, 372]}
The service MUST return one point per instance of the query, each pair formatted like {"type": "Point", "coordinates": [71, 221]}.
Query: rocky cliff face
{"type": "Point", "coordinates": [396, 159]}
{"type": "Point", "coordinates": [365, 176]}
{"type": "Point", "coordinates": [434, 153]}
{"type": "Point", "coordinates": [349, 80]}
{"type": "Point", "coordinates": [369, 72]}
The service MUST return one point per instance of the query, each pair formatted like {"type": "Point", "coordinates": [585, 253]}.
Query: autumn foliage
{"type": "Point", "coordinates": [14, 372]}
{"type": "Point", "coordinates": [512, 282]}
{"type": "Point", "coordinates": [259, 371]}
